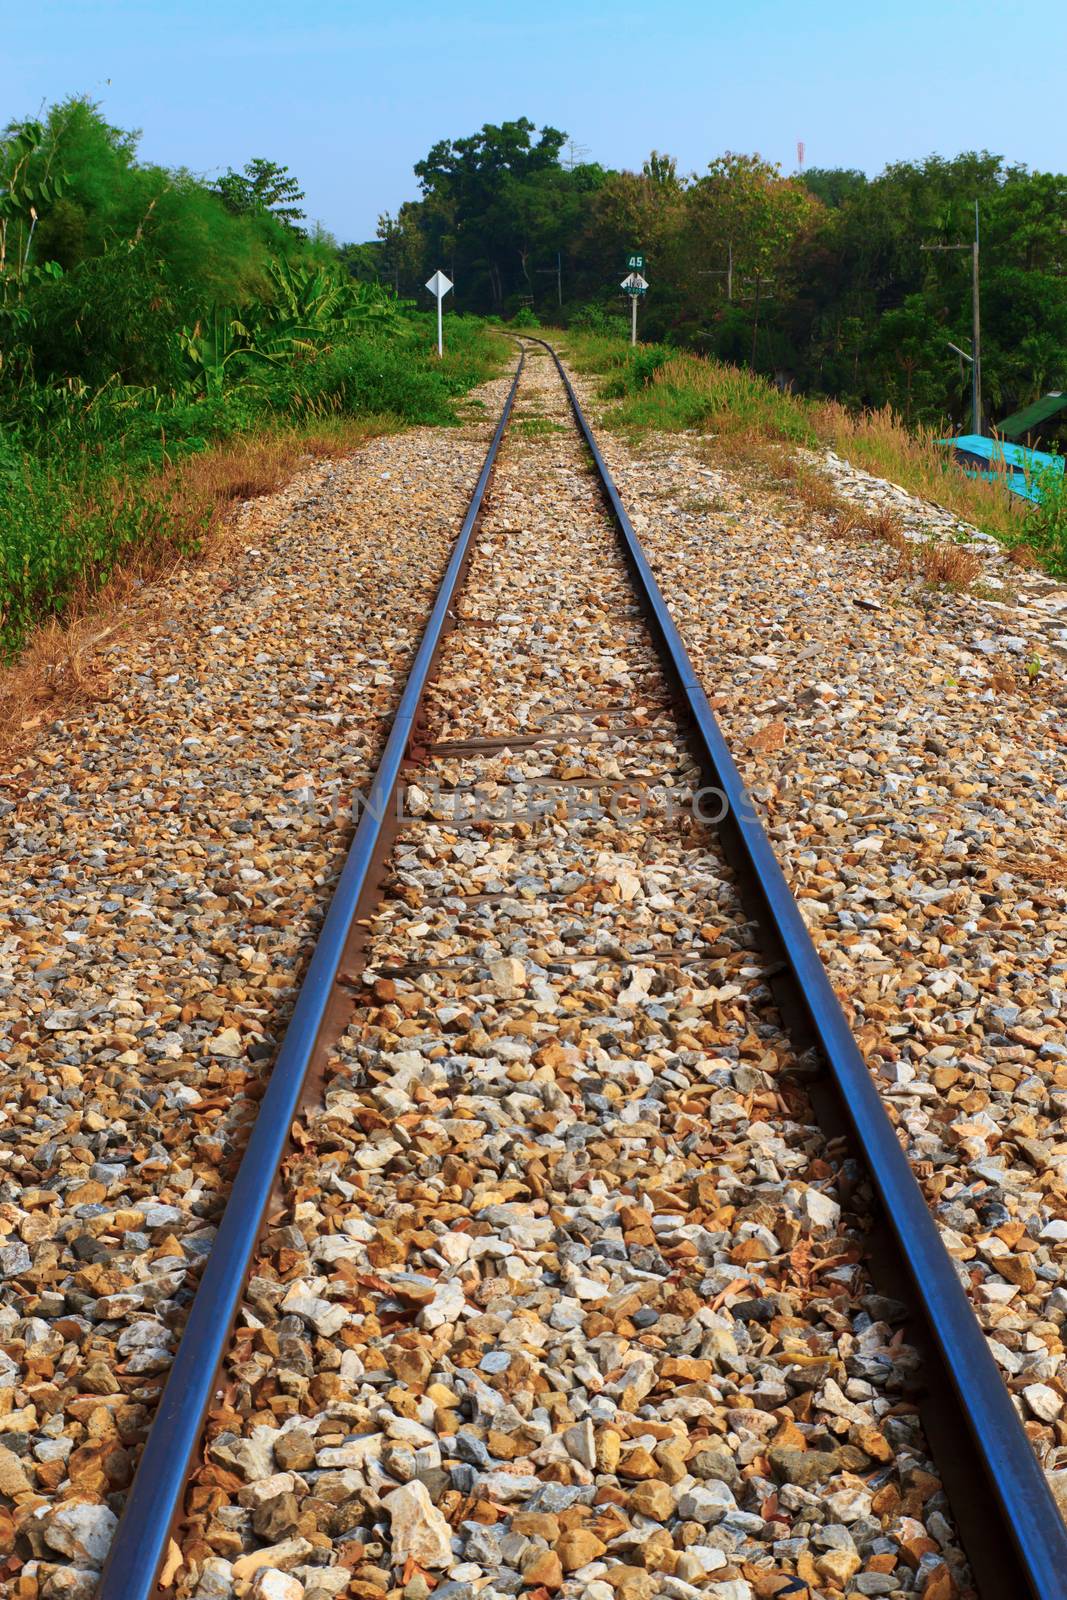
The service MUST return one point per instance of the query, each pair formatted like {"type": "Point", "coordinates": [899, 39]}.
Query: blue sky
{"type": "Point", "coordinates": [350, 95]}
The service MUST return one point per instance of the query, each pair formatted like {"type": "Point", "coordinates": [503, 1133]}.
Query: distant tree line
{"type": "Point", "coordinates": [821, 278]}
{"type": "Point", "coordinates": [115, 269]}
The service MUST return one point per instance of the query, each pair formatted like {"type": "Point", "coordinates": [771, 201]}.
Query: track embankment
{"type": "Point", "coordinates": [168, 848]}
{"type": "Point", "coordinates": [911, 774]}
{"type": "Point", "coordinates": [567, 1284]}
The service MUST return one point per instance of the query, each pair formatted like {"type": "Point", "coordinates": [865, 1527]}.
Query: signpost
{"type": "Point", "coordinates": [634, 285]}
{"type": "Point", "coordinates": [439, 285]}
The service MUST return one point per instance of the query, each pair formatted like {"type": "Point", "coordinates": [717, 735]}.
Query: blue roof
{"type": "Point", "coordinates": [1011, 464]}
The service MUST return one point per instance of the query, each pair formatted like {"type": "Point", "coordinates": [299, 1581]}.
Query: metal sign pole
{"type": "Point", "coordinates": [633, 319]}
{"type": "Point", "coordinates": [439, 286]}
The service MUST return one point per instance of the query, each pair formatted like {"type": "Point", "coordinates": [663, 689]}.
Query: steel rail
{"type": "Point", "coordinates": [154, 1505]}
{"type": "Point", "coordinates": [1011, 1527]}
{"type": "Point", "coordinates": [1014, 1534]}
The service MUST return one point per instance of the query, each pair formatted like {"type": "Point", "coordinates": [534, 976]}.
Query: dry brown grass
{"type": "Point", "coordinates": [880, 442]}
{"type": "Point", "coordinates": [739, 413]}
{"type": "Point", "coordinates": [846, 523]}
{"type": "Point", "coordinates": [818, 494]}
{"type": "Point", "coordinates": [245, 469]}
{"type": "Point", "coordinates": [61, 665]}
{"type": "Point", "coordinates": [942, 565]}
{"type": "Point", "coordinates": [886, 527]}
{"type": "Point", "coordinates": [765, 460]}
{"type": "Point", "coordinates": [60, 668]}
{"type": "Point", "coordinates": [947, 566]}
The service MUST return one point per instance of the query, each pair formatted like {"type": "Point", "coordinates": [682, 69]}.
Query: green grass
{"type": "Point", "coordinates": [537, 427]}
{"type": "Point", "coordinates": [91, 484]}
{"type": "Point", "coordinates": [1045, 529]}
{"type": "Point", "coordinates": [746, 418]}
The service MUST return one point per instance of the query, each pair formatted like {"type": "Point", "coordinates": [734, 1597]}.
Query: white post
{"type": "Point", "coordinates": [439, 286]}
{"type": "Point", "coordinates": [633, 319]}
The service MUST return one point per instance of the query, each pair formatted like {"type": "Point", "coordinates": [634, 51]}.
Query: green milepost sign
{"type": "Point", "coordinates": [636, 261]}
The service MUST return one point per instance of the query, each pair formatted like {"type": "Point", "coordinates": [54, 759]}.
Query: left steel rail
{"type": "Point", "coordinates": [154, 1506]}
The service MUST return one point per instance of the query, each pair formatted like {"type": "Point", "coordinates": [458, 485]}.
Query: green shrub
{"type": "Point", "coordinates": [1045, 527]}
{"type": "Point", "coordinates": [366, 375]}
{"type": "Point", "coordinates": [593, 318]}
{"type": "Point", "coordinates": [164, 320]}
{"type": "Point", "coordinates": [80, 471]}
{"type": "Point", "coordinates": [67, 521]}
{"type": "Point", "coordinates": [525, 318]}
{"type": "Point", "coordinates": [637, 368]}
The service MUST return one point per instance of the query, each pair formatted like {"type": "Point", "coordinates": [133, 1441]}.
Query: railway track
{"type": "Point", "coordinates": [572, 1244]}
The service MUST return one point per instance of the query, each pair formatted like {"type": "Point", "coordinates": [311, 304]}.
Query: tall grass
{"type": "Point", "coordinates": [1045, 529]}
{"type": "Point", "coordinates": [128, 479]}
{"type": "Point", "coordinates": [879, 442]}
{"type": "Point", "coordinates": [674, 391]}
{"type": "Point", "coordinates": [659, 389]}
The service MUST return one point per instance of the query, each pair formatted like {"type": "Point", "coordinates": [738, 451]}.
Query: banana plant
{"type": "Point", "coordinates": [313, 304]}
{"type": "Point", "coordinates": [310, 306]}
{"type": "Point", "coordinates": [212, 344]}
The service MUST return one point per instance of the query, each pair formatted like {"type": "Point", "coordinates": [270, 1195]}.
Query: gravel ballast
{"type": "Point", "coordinates": [166, 860]}
{"type": "Point", "coordinates": [910, 772]}
{"type": "Point", "coordinates": [564, 1293]}
{"type": "Point", "coordinates": [565, 1289]}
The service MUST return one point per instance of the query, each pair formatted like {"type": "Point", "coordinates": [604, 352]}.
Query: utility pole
{"type": "Point", "coordinates": [726, 272]}
{"type": "Point", "coordinates": [557, 273]}
{"type": "Point", "coordinates": [975, 358]}
{"type": "Point", "coordinates": [976, 336]}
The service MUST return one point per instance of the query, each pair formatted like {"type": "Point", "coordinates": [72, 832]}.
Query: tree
{"type": "Point", "coordinates": [482, 197]}
{"type": "Point", "coordinates": [24, 194]}
{"type": "Point", "coordinates": [663, 170]}
{"type": "Point", "coordinates": [103, 256]}
{"type": "Point", "coordinates": [909, 343]}
{"type": "Point", "coordinates": [743, 219]}
{"type": "Point", "coordinates": [401, 248]}
{"type": "Point", "coordinates": [263, 186]}
{"type": "Point", "coordinates": [834, 186]}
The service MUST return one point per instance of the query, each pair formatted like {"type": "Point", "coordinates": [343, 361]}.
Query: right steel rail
{"type": "Point", "coordinates": [1014, 1534]}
